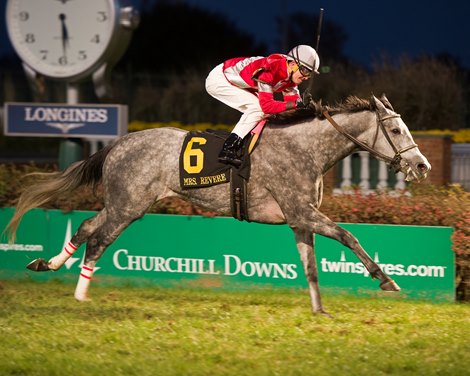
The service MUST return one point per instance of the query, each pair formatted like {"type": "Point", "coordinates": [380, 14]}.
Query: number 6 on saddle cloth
{"type": "Point", "coordinates": [199, 166]}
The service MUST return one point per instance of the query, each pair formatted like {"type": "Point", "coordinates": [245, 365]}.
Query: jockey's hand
{"type": "Point", "coordinates": [300, 104]}
{"type": "Point", "coordinates": [307, 98]}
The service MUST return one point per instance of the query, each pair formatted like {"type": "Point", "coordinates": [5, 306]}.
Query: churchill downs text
{"type": "Point", "coordinates": [232, 265]}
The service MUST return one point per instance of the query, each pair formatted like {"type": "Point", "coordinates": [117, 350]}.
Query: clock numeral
{"type": "Point", "coordinates": [44, 54]}
{"type": "Point", "coordinates": [24, 16]}
{"type": "Point", "coordinates": [63, 60]}
{"type": "Point", "coordinates": [102, 16]}
{"type": "Point", "coordinates": [95, 39]}
{"type": "Point", "coordinates": [82, 55]}
{"type": "Point", "coordinates": [29, 38]}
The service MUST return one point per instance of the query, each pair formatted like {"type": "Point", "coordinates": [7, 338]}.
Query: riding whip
{"type": "Point", "coordinates": [317, 46]}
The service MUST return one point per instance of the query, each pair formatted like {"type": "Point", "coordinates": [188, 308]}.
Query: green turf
{"type": "Point", "coordinates": [156, 331]}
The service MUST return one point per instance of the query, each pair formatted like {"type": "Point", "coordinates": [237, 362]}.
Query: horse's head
{"type": "Point", "coordinates": [394, 144]}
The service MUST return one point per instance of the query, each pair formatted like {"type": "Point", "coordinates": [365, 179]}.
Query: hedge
{"type": "Point", "coordinates": [419, 205]}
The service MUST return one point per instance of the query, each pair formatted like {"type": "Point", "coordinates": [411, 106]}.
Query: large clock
{"type": "Point", "coordinates": [69, 39]}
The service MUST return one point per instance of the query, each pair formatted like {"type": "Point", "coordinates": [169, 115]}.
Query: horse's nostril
{"type": "Point", "coordinates": [423, 167]}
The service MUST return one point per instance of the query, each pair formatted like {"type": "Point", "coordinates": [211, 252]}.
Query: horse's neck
{"type": "Point", "coordinates": [324, 143]}
{"type": "Point", "coordinates": [338, 146]}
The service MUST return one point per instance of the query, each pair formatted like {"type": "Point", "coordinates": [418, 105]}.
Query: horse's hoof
{"type": "Point", "coordinates": [389, 285]}
{"type": "Point", "coordinates": [323, 313]}
{"type": "Point", "coordinates": [82, 298]}
{"type": "Point", "coordinates": [38, 265]}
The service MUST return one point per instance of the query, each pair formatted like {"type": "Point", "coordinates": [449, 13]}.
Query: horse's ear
{"type": "Point", "coordinates": [386, 102]}
{"type": "Point", "coordinates": [378, 105]}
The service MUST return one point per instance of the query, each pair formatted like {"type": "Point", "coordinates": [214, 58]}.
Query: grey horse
{"type": "Point", "coordinates": [285, 185]}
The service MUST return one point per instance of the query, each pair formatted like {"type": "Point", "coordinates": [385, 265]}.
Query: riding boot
{"type": "Point", "coordinates": [230, 151]}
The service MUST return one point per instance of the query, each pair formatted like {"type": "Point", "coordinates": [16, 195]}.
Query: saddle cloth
{"type": "Point", "coordinates": [199, 165]}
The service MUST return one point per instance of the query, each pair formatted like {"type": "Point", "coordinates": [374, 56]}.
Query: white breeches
{"type": "Point", "coordinates": [239, 99]}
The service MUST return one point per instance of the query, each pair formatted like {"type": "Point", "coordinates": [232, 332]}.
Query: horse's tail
{"type": "Point", "coordinates": [52, 185]}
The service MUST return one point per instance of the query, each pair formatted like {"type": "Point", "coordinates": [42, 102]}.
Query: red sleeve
{"type": "Point", "coordinates": [269, 105]}
{"type": "Point", "coordinates": [291, 94]}
{"type": "Point", "coordinates": [291, 98]}
{"type": "Point", "coordinates": [275, 71]}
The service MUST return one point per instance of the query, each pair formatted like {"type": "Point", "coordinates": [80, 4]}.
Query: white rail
{"type": "Point", "coordinates": [382, 178]}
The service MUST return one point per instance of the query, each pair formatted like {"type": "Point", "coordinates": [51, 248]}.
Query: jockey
{"type": "Point", "coordinates": [248, 84]}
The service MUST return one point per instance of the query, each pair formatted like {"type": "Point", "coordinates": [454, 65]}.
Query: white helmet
{"type": "Point", "coordinates": [305, 55]}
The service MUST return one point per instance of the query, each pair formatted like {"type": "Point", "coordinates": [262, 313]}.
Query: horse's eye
{"type": "Point", "coordinates": [396, 131]}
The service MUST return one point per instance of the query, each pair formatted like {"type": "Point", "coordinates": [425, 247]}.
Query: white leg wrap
{"type": "Point", "coordinates": [81, 291]}
{"type": "Point", "coordinates": [57, 261]}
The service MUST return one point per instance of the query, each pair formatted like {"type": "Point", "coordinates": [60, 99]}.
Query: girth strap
{"type": "Point", "coordinates": [238, 196]}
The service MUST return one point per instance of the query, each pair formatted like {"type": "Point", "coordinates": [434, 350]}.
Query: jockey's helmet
{"type": "Point", "coordinates": [306, 56]}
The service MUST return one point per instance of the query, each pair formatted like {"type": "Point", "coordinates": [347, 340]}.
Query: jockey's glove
{"type": "Point", "coordinates": [300, 104]}
{"type": "Point", "coordinates": [307, 98]}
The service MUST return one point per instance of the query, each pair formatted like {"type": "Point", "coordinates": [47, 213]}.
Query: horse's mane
{"type": "Point", "coordinates": [316, 109]}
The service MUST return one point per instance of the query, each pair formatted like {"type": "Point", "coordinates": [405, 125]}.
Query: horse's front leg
{"type": "Point", "coordinates": [306, 247]}
{"type": "Point", "coordinates": [324, 226]}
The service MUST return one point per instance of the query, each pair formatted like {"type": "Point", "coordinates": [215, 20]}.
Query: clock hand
{"type": "Point", "coordinates": [65, 34]}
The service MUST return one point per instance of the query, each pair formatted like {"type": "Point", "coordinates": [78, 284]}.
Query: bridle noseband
{"type": "Point", "coordinates": [393, 162]}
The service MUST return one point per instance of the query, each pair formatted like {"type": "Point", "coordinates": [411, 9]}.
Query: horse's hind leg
{"type": "Point", "coordinates": [96, 245]}
{"type": "Point", "coordinates": [81, 236]}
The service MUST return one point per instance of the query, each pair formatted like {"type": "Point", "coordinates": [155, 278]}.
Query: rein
{"type": "Point", "coordinates": [393, 162]}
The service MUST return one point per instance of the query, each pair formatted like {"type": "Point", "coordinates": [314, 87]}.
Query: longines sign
{"type": "Point", "coordinates": [64, 120]}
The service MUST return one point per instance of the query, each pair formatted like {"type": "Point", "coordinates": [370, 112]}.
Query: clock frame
{"type": "Point", "coordinates": [69, 39]}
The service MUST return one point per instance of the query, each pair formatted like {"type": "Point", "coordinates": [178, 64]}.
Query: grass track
{"type": "Point", "coordinates": [156, 331]}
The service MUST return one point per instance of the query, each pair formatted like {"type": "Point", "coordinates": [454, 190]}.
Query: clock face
{"type": "Point", "coordinates": [61, 38]}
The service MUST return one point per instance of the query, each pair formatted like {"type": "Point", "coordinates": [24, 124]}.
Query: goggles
{"type": "Point", "coordinates": [304, 71]}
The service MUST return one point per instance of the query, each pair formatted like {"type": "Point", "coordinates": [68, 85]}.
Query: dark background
{"type": "Point", "coordinates": [415, 52]}
{"type": "Point", "coordinates": [372, 27]}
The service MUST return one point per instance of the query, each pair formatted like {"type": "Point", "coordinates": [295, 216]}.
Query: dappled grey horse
{"type": "Point", "coordinates": [285, 185]}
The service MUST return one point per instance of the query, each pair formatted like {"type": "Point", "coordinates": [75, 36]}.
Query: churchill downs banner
{"type": "Point", "coordinates": [193, 251]}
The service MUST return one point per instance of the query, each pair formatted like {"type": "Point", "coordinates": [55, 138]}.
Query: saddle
{"type": "Point", "coordinates": [199, 166]}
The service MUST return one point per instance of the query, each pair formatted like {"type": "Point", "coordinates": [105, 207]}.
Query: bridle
{"type": "Point", "coordinates": [393, 162]}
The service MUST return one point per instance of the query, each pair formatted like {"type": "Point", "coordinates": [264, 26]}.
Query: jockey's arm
{"type": "Point", "coordinates": [271, 106]}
